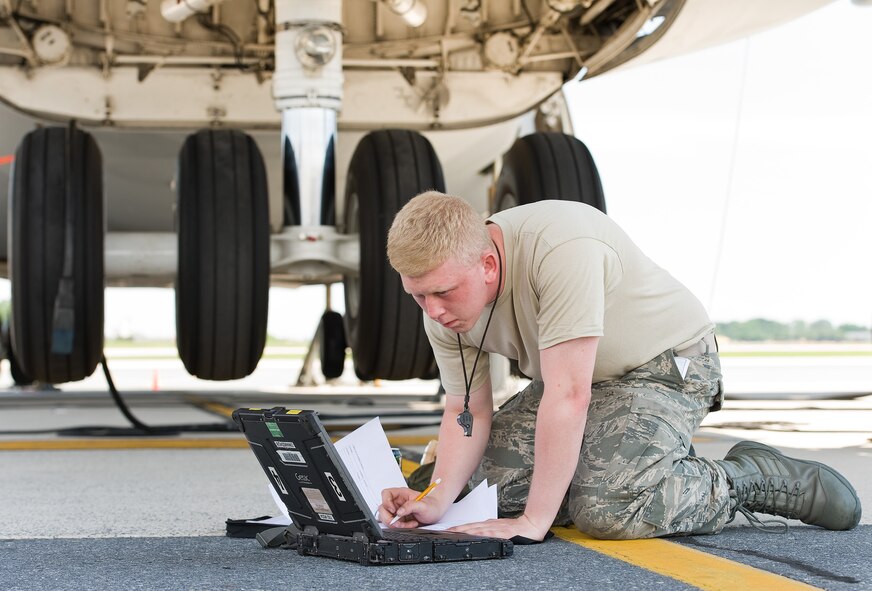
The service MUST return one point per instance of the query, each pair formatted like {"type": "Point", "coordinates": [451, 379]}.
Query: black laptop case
{"type": "Point", "coordinates": [331, 518]}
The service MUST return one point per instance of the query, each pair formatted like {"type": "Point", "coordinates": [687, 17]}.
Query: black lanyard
{"type": "Point", "coordinates": [464, 419]}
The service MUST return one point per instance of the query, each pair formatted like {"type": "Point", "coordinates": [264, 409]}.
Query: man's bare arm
{"type": "Point", "coordinates": [567, 371]}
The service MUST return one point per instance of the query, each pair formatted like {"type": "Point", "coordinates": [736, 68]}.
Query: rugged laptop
{"type": "Point", "coordinates": [326, 506]}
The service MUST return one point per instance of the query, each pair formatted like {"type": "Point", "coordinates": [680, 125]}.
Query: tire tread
{"type": "Point", "coordinates": [387, 337]}
{"type": "Point", "coordinates": [222, 287]}
{"type": "Point", "coordinates": [45, 170]}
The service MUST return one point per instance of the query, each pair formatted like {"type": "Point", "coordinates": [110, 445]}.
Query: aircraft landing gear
{"type": "Point", "coordinates": [384, 325]}
{"type": "Point", "coordinates": [222, 284]}
{"type": "Point", "coordinates": [56, 255]}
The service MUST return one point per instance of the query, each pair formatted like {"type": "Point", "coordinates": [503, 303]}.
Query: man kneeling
{"type": "Point", "coordinates": [624, 365]}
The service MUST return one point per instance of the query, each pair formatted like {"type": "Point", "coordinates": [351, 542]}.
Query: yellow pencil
{"type": "Point", "coordinates": [423, 494]}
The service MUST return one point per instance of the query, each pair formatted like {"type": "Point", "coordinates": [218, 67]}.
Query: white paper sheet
{"type": "Point", "coordinates": [369, 460]}
{"type": "Point", "coordinates": [478, 505]}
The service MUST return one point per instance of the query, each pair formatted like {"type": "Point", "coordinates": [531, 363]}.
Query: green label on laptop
{"type": "Point", "coordinates": [274, 429]}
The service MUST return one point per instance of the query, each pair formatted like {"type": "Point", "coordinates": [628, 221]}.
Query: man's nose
{"type": "Point", "coordinates": [432, 307]}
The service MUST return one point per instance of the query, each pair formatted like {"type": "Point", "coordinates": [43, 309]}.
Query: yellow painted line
{"type": "Point", "coordinates": [112, 443]}
{"type": "Point", "coordinates": [148, 443]}
{"type": "Point", "coordinates": [210, 405]}
{"type": "Point", "coordinates": [688, 565]}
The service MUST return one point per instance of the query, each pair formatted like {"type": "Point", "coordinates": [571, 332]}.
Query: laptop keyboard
{"type": "Point", "coordinates": [395, 535]}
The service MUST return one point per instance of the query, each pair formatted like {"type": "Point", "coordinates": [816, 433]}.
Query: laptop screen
{"type": "Point", "coordinates": [298, 457]}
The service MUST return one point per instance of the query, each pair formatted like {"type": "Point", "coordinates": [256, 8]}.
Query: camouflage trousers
{"type": "Point", "coordinates": [634, 478]}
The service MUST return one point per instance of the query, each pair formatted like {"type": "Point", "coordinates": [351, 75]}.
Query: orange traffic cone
{"type": "Point", "coordinates": [154, 382]}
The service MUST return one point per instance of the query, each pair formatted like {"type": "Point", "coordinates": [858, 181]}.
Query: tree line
{"type": "Point", "coordinates": [761, 329]}
{"type": "Point", "coordinates": [756, 329]}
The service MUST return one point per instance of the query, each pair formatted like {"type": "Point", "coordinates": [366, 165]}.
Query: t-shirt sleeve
{"type": "Point", "coordinates": [571, 283]}
{"type": "Point", "coordinates": [444, 344]}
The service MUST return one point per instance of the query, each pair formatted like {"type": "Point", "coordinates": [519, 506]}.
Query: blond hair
{"type": "Point", "coordinates": [433, 227]}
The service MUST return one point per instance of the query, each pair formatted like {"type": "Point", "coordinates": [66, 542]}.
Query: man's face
{"type": "Point", "coordinates": [453, 294]}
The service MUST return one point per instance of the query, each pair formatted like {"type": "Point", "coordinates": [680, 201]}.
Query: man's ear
{"type": "Point", "coordinates": [490, 263]}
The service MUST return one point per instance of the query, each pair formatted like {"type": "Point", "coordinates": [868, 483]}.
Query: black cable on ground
{"type": "Point", "coordinates": [139, 429]}
{"type": "Point", "coordinates": [119, 402]}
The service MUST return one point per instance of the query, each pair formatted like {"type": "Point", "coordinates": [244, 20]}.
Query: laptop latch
{"type": "Point", "coordinates": [278, 536]}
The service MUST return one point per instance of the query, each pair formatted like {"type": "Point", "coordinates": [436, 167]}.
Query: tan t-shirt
{"type": "Point", "coordinates": [572, 272]}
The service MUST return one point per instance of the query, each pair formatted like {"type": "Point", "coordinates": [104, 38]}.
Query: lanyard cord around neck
{"type": "Point", "coordinates": [464, 419]}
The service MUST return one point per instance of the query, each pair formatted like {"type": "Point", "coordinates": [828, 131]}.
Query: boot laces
{"type": "Point", "coordinates": [765, 496]}
{"type": "Point", "coordinates": [770, 526]}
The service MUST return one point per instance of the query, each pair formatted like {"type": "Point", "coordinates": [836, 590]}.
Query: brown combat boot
{"type": "Point", "coordinates": [764, 480]}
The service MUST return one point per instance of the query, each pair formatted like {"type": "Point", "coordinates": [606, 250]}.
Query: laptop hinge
{"type": "Point", "coordinates": [369, 532]}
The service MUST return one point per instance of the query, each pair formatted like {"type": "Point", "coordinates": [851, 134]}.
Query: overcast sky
{"type": "Point", "coordinates": [745, 170]}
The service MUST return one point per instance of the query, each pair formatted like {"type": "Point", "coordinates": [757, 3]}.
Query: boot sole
{"type": "Point", "coordinates": [751, 445]}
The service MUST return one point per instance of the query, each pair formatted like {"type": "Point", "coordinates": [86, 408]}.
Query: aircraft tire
{"type": "Point", "coordinates": [332, 345]}
{"type": "Point", "coordinates": [222, 284]}
{"type": "Point", "coordinates": [548, 165]}
{"type": "Point", "coordinates": [57, 186]}
{"type": "Point", "coordinates": [383, 324]}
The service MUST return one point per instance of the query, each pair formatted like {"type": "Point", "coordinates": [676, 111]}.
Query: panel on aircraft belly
{"type": "Point", "coordinates": [185, 98]}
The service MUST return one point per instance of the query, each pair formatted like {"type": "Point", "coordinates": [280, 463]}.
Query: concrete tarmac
{"type": "Point", "coordinates": [90, 512]}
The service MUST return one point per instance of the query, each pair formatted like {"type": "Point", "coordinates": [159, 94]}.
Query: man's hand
{"type": "Point", "coordinates": [401, 501]}
{"type": "Point", "coordinates": [504, 528]}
